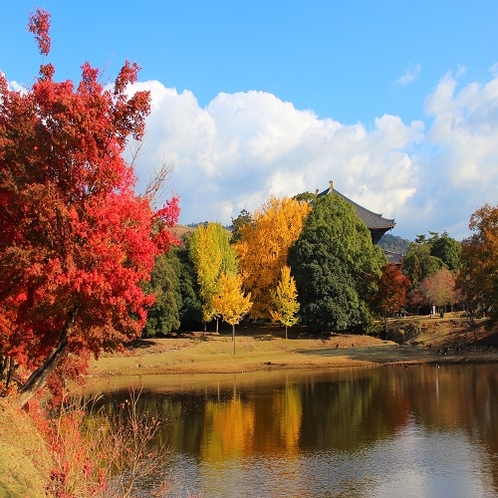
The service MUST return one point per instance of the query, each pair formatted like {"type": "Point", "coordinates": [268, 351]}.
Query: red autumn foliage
{"type": "Point", "coordinates": [392, 290]}
{"type": "Point", "coordinates": [39, 24]}
{"type": "Point", "coordinates": [77, 241]}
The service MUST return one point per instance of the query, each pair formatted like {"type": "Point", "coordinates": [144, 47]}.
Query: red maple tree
{"type": "Point", "coordinates": [76, 240]}
{"type": "Point", "coordinates": [391, 295]}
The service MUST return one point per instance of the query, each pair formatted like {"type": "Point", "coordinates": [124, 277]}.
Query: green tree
{"type": "Point", "coordinates": [191, 305]}
{"type": "Point", "coordinates": [174, 284]}
{"type": "Point", "coordinates": [448, 250]}
{"type": "Point", "coordinates": [244, 218]}
{"type": "Point", "coordinates": [336, 266]}
{"type": "Point", "coordinates": [418, 263]}
{"type": "Point", "coordinates": [164, 316]}
{"type": "Point", "coordinates": [306, 197]}
{"type": "Point", "coordinates": [230, 302]}
{"type": "Point", "coordinates": [284, 300]}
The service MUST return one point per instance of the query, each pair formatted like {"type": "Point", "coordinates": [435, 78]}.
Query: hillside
{"type": "Point", "coordinates": [394, 246]}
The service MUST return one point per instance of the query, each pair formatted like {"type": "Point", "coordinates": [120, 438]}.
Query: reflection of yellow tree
{"type": "Point", "coordinates": [288, 414]}
{"type": "Point", "coordinates": [229, 430]}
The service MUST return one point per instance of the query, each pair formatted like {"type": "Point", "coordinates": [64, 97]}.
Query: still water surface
{"type": "Point", "coordinates": [421, 431]}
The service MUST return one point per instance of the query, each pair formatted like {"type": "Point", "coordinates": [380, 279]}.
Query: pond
{"type": "Point", "coordinates": [421, 431]}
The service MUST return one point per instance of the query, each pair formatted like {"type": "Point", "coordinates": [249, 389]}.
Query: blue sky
{"type": "Point", "coordinates": [395, 101]}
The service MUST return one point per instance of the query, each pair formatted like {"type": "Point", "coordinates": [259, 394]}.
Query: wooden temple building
{"type": "Point", "coordinates": [377, 225]}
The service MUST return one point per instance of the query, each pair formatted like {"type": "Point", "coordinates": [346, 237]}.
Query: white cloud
{"type": "Point", "coordinates": [242, 148]}
{"type": "Point", "coordinates": [410, 75]}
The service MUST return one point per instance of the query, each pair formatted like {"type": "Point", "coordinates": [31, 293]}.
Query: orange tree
{"type": "Point", "coordinates": [391, 293]}
{"type": "Point", "coordinates": [77, 242]}
{"type": "Point", "coordinates": [478, 277]}
{"type": "Point", "coordinates": [263, 247]}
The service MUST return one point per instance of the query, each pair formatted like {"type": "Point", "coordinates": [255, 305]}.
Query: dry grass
{"type": "Point", "coordinates": [25, 462]}
{"type": "Point", "coordinates": [214, 354]}
{"type": "Point", "coordinates": [263, 349]}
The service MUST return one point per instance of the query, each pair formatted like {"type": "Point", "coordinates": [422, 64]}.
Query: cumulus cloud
{"type": "Point", "coordinates": [410, 75]}
{"type": "Point", "coordinates": [244, 147]}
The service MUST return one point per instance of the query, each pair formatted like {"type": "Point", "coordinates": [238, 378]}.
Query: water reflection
{"type": "Point", "coordinates": [390, 431]}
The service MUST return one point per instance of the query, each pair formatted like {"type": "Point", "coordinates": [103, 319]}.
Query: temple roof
{"type": "Point", "coordinates": [375, 222]}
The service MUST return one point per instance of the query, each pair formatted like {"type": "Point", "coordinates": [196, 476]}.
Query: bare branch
{"type": "Point", "coordinates": [159, 183]}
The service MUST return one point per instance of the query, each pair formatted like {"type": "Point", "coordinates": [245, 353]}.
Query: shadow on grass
{"type": "Point", "coordinates": [407, 354]}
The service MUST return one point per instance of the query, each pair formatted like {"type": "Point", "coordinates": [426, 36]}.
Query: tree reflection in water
{"type": "Point", "coordinates": [426, 430]}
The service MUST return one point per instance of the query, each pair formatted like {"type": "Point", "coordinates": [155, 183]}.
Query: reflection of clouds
{"type": "Point", "coordinates": [244, 147]}
{"type": "Point", "coordinates": [354, 432]}
{"type": "Point", "coordinates": [419, 462]}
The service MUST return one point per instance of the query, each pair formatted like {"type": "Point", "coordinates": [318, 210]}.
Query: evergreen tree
{"type": "Point", "coordinates": [448, 250]}
{"type": "Point", "coordinates": [335, 265]}
{"type": "Point", "coordinates": [164, 316]}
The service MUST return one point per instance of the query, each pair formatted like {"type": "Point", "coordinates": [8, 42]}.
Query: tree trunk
{"type": "Point", "coordinates": [38, 378]}
{"type": "Point", "coordinates": [233, 338]}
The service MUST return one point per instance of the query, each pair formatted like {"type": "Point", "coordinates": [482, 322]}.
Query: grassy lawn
{"type": "Point", "coordinates": [264, 348]}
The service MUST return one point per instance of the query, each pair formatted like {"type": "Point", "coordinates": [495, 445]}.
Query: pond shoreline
{"type": "Point", "coordinates": [448, 341]}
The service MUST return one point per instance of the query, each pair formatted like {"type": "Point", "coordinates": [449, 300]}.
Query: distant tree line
{"type": "Point", "coordinates": [310, 260]}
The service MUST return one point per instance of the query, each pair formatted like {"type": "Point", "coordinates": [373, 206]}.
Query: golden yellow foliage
{"type": "Point", "coordinates": [211, 253]}
{"type": "Point", "coordinates": [284, 300]}
{"type": "Point", "coordinates": [264, 246]}
{"type": "Point", "coordinates": [231, 303]}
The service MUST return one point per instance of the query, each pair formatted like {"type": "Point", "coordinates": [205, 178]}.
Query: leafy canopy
{"type": "Point", "coordinates": [439, 288]}
{"type": "Point", "coordinates": [336, 266]}
{"type": "Point", "coordinates": [393, 286]}
{"type": "Point", "coordinates": [263, 248]}
{"type": "Point", "coordinates": [285, 306]}
{"type": "Point", "coordinates": [77, 241]}
{"type": "Point", "coordinates": [212, 255]}
{"type": "Point", "coordinates": [478, 279]}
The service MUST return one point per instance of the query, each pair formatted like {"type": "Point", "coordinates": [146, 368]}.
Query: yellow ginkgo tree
{"type": "Point", "coordinates": [231, 302]}
{"type": "Point", "coordinates": [285, 306]}
{"type": "Point", "coordinates": [263, 248]}
{"type": "Point", "coordinates": [212, 255]}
